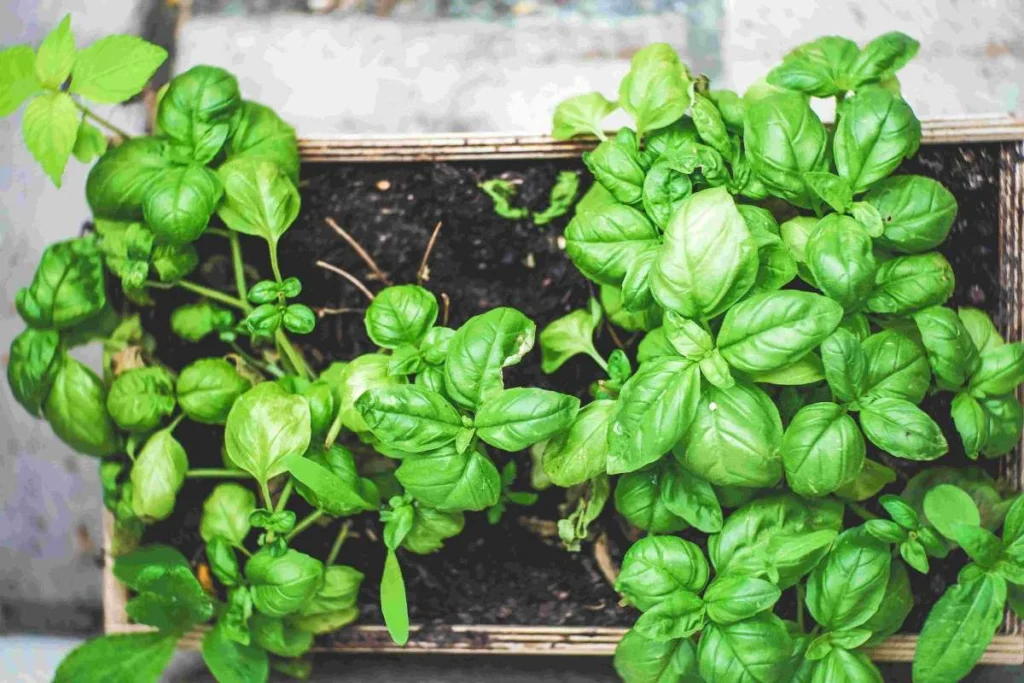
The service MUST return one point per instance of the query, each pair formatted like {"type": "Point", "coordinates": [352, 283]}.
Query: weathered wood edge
{"type": "Point", "coordinates": [1007, 648]}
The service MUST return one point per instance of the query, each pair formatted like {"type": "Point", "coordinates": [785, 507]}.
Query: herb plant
{"type": "Point", "coordinates": [790, 302]}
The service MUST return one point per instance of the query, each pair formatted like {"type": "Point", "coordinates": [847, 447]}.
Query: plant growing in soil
{"type": "Point", "coordinates": [408, 433]}
{"type": "Point", "coordinates": [791, 301]}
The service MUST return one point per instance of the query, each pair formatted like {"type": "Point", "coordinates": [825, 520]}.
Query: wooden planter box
{"type": "Point", "coordinates": [1007, 648]}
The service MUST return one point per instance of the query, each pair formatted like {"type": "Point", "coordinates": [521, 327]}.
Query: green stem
{"type": "Point", "coordinates": [332, 433]}
{"type": "Point", "coordinates": [239, 268]}
{"type": "Point", "coordinates": [599, 359]}
{"type": "Point", "coordinates": [175, 422]}
{"type": "Point", "coordinates": [273, 263]}
{"type": "Point", "coordinates": [245, 551]}
{"type": "Point", "coordinates": [336, 547]}
{"type": "Point", "coordinates": [220, 232]}
{"type": "Point", "coordinates": [268, 368]}
{"type": "Point", "coordinates": [862, 511]}
{"type": "Point", "coordinates": [286, 493]}
{"type": "Point", "coordinates": [306, 522]}
{"type": "Point", "coordinates": [226, 299]}
{"type": "Point", "coordinates": [800, 606]}
{"type": "Point", "coordinates": [215, 473]}
{"type": "Point", "coordinates": [89, 113]}
{"type": "Point", "coordinates": [295, 358]}
{"type": "Point", "coordinates": [265, 492]}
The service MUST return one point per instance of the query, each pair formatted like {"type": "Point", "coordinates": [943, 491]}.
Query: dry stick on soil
{"type": "Point", "coordinates": [615, 337]}
{"type": "Point", "coordinates": [378, 274]}
{"type": "Point", "coordinates": [423, 274]}
{"type": "Point", "coordinates": [348, 276]}
{"type": "Point", "coordinates": [447, 305]}
{"type": "Point", "coordinates": [604, 559]}
{"type": "Point", "coordinates": [324, 312]}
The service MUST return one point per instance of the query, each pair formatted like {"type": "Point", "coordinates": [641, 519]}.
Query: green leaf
{"type": "Point", "coordinates": [665, 187]}
{"type": "Point", "coordinates": [226, 514]}
{"type": "Point", "coordinates": [917, 212]}
{"type": "Point", "coordinates": [179, 204]}
{"type": "Point", "coordinates": [821, 68]}
{"type": "Point", "coordinates": [656, 407]}
{"type": "Point", "coordinates": [846, 589]}
{"type": "Point", "coordinates": [89, 142]}
{"type": "Point", "coordinates": [845, 666]}
{"type": "Point", "coordinates": [1000, 372]}
{"type": "Point", "coordinates": [909, 283]}
{"type": "Point", "coordinates": [157, 474]}
{"type": "Point", "coordinates": [959, 629]}
{"type": "Point", "coordinates": [115, 68]}
{"type": "Point", "coordinates": [399, 315]}
{"type": "Point", "coordinates": [431, 528]}
{"type": "Point", "coordinates": [581, 115]}
{"type": "Point", "coordinates": [283, 584]}
{"type": "Point", "coordinates": [1005, 419]}
{"type": "Point", "coordinates": [775, 329]}
{"type": "Point", "coordinates": [980, 544]}
{"type": "Point", "coordinates": [77, 412]}
{"type": "Point", "coordinates": [265, 427]}
{"type": "Point", "coordinates": [896, 367]}
{"type": "Point", "coordinates": [640, 500]}
{"type": "Point", "coordinates": [603, 243]}
{"type": "Point", "coordinates": [122, 658]}
{"type": "Point", "coordinates": [886, 530]}
{"type": "Point", "coordinates": [731, 599]}
{"type": "Point", "coordinates": [410, 418]}
{"type": "Point", "coordinates": [120, 180]}
{"type": "Point", "coordinates": [259, 133]}
{"type": "Point", "coordinates": [169, 598]}
{"type": "Point", "coordinates": [479, 351]}
{"type": "Point", "coordinates": [516, 419]}
{"type": "Point", "coordinates": [618, 165]}
{"type": "Point", "coordinates": [140, 399]}
{"type": "Point", "coordinates": [655, 92]}
{"type": "Point", "coordinates": [636, 284]}
{"type": "Point", "coordinates": [981, 328]}
{"type": "Point", "coordinates": [709, 258]}
{"type": "Point", "coordinates": [756, 649]}
{"type": "Point", "coordinates": [902, 429]}
{"type": "Point", "coordinates": [50, 127]}
{"type": "Point", "coordinates": [839, 256]}
{"type": "Point", "coordinates": [883, 57]}
{"type": "Point", "coordinates": [56, 55]}
{"type": "Point", "coordinates": [872, 479]}
{"type": "Point", "coordinates": [876, 131]}
{"type": "Point", "coordinates": [67, 288]}
{"type": "Point", "coordinates": [393, 602]}
{"type": "Point", "coordinates": [845, 365]}
{"type": "Point", "coordinates": [895, 606]}
{"type": "Point", "coordinates": [692, 498]}
{"type": "Point", "coordinates": [34, 360]}
{"type": "Point", "coordinates": [784, 139]}
{"type": "Point", "coordinates": [951, 353]}
{"type": "Point", "coordinates": [611, 302]}
{"type": "Point", "coordinates": [279, 637]}
{"type": "Point", "coordinates": [323, 487]}
{"type": "Point", "coordinates": [710, 125]}
{"type": "Point", "coordinates": [734, 438]}
{"type": "Point", "coordinates": [351, 380]}
{"type": "Point", "coordinates": [642, 660]}
{"type": "Point", "coordinates": [18, 80]}
{"type": "Point", "coordinates": [678, 616]}
{"type": "Point", "coordinates": [563, 195]}
{"type": "Point", "coordinates": [834, 190]}
{"type": "Point", "coordinates": [688, 338]}
{"type": "Point", "coordinates": [131, 568]}
{"type": "Point", "coordinates": [232, 662]}
{"type": "Point", "coordinates": [580, 452]}
{"type": "Point", "coordinates": [208, 388]}
{"type": "Point", "coordinates": [657, 567]}
{"type": "Point", "coordinates": [948, 506]}
{"type": "Point", "coordinates": [570, 335]}
{"type": "Point", "coordinates": [449, 480]}
{"type": "Point", "coordinates": [197, 110]}
{"type": "Point", "coordinates": [868, 217]}
{"type": "Point", "coordinates": [822, 450]}
{"type": "Point", "coordinates": [259, 198]}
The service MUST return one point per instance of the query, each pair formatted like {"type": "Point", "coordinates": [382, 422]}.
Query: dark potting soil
{"type": "Point", "coordinates": [514, 573]}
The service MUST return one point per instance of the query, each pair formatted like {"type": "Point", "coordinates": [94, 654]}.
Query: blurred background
{"type": "Point", "coordinates": [389, 67]}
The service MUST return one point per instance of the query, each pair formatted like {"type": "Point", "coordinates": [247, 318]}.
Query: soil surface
{"type": "Point", "coordinates": [511, 574]}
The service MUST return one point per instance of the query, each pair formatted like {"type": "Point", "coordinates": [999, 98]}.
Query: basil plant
{"type": "Point", "coordinates": [785, 283]}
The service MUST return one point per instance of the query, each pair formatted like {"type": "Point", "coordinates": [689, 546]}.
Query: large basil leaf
{"type": "Point", "coordinates": [516, 419]}
{"type": "Point", "coordinates": [410, 418]}
{"type": "Point", "coordinates": [820, 68]}
{"type": "Point", "coordinates": [655, 567]}
{"type": "Point", "coordinates": [197, 110]}
{"type": "Point", "coordinates": [580, 452]}
{"type": "Point", "coordinates": [981, 328]}
{"type": "Point", "coordinates": [845, 666]}
{"type": "Point", "coordinates": [140, 399]}
{"type": "Point", "coordinates": [281, 584]}
{"type": "Point", "coordinates": [208, 388]}
{"type": "Point", "coordinates": [329, 481]}
{"type": "Point", "coordinates": [136, 657]}
{"type": "Point", "coordinates": [735, 598]}
{"type": "Point", "coordinates": [688, 496]}
{"type": "Point", "coordinates": [959, 629]}
{"type": "Point", "coordinates": [77, 411]}
{"type": "Point", "coordinates": [709, 259]}
{"type": "Point", "coordinates": [909, 283]}
{"type": "Point", "coordinates": [895, 606]}
{"type": "Point", "coordinates": [656, 407]}
{"type": "Point", "coordinates": [179, 203]}
{"type": "Point", "coordinates": [780, 531]}
{"type": "Point", "coordinates": [872, 479]}
{"type": "Point", "coordinates": [157, 474]}
{"type": "Point", "coordinates": [839, 256]}
{"type": "Point", "coordinates": [265, 427]}
{"type": "Point", "coordinates": [400, 315]}
{"type": "Point", "coordinates": [665, 187]}
{"type": "Point", "coordinates": [822, 450]}
{"type": "Point", "coordinates": [845, 365]}
{"type": "Point", "coordinates": [68, 286]}
{"type": "Point", "coordinates": [260, 133]}
{"type": "Point", "coordinates": [120, 180]}
{"type": "Point", "coordinates": [1000, 372]}
{"type": "Point", "coordinates": [232, 662]}
{"type": "Point", "coordinates": [449, 480]}
{"type": "Point", "coordinates": [883, 57]}
{"type": "Point", "coordinates": [350, 381]}
{"type": "Point", "coordinates": [639, 499]}
{"type": "Point", "coordinates": [570, 335]}
{"type": "Point", "coordinates": [641, 660]}
{"type": "Point", "coordinates": [617, 165]}
{"type": "Point", "coordinates": [1005, 418]}
{"type": "Point", "coordinates": [775, 329]}
{"type": "Point", "coordinates": [636, 285]}
{"type": "Point", "coordinates": [755, 649]}
{"type": "Point", "coordinates": [876, 131]}
{"type": "Point", "coordinates": [581, 114]}
{"type": "Point", "coordinates": [917, 212]}
{"type": "Point", "coordinates": [678, 616]}
{"type": "Point", "coordinates": [735, 437]}
{"type": "Point", "coordinates": [951, 353]}
{"type": "Point", "coordinates": [846, 589]}
{"type": "Point", "coordinates": [971, 423]}
{"type": "Point", "coordinates": [604, 242]}
{"type": "Point", "coordinates": [902, 429]}
{"type": "Point", "coordinates": [480, 349]}
{"type": "Point", "coordinates": [259, 198]}
{"type": "Point", "coordinates": [655, 92]}
{"type": "Point", "coordinates": [896, 367]}
{"type": "Point", "coordinates": [35, 358]}
{"type": "Point", "coordinates": [226, 514]}
{"type": "Point", "coordinates": [784, 139]}
{"type": "Point", "coordinates": [430, 528]}
{"type": "Point", "coordinates": [277, 636]}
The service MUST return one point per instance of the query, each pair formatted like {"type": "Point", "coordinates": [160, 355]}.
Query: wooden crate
{"type": "Point", "coordinates": [1007, 648]}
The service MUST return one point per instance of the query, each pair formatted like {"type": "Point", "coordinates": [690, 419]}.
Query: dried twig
{"type": "Point", "coordinates": [378, 274]}
{"type": "Point", "coordinates": [324, 312]}
{"type": "Point", "coordinates": [348, 276]}
{"type": "Point", "coordinates": [447, 305]}
{"type": "Point", "coordinates": [604, 559]}
{"type": "Point", "coordinates": [423, 273]}
{"type": "Point", "coordinates": [615, 337]}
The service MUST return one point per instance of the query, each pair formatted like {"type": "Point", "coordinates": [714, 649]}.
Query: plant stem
{"type": "Point", "coordinates": [273, 262]}
{"type": "Point", "coordinates": [226, 299]}
{"type": "Point", "coordinates": [298, 363]}
{"type": "Point", "coordinates": [215, 473]}
{"type": "Point", "coordinates": [268, 368]}
{"type": "Point", "coordinates": [800, 606]}
{"type": "Point", "coordinates": [304, 524]}
{"type": "Point", "coordinates": [245, 551]}
{"type": "Point", "coordinates": [267, 502]}
{"type": "Point", "coordinates": [286, 493]}
{"type": "Point", "coordinates": [121, 133]}
{"type": "Point", "coordinates": [175, 422]}
{"type": "Point", "coordinates": [862, 511]}
{"type": "Point", "coordinates": [336, 547]}
{"type": "Point", "coordinates": [598, 359]}
{"type": "Point", "coordinates": [239, 268]}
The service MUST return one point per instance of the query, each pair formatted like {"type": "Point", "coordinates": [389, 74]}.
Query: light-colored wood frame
{"type": "Point", "coordinates": [1007, 647]}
